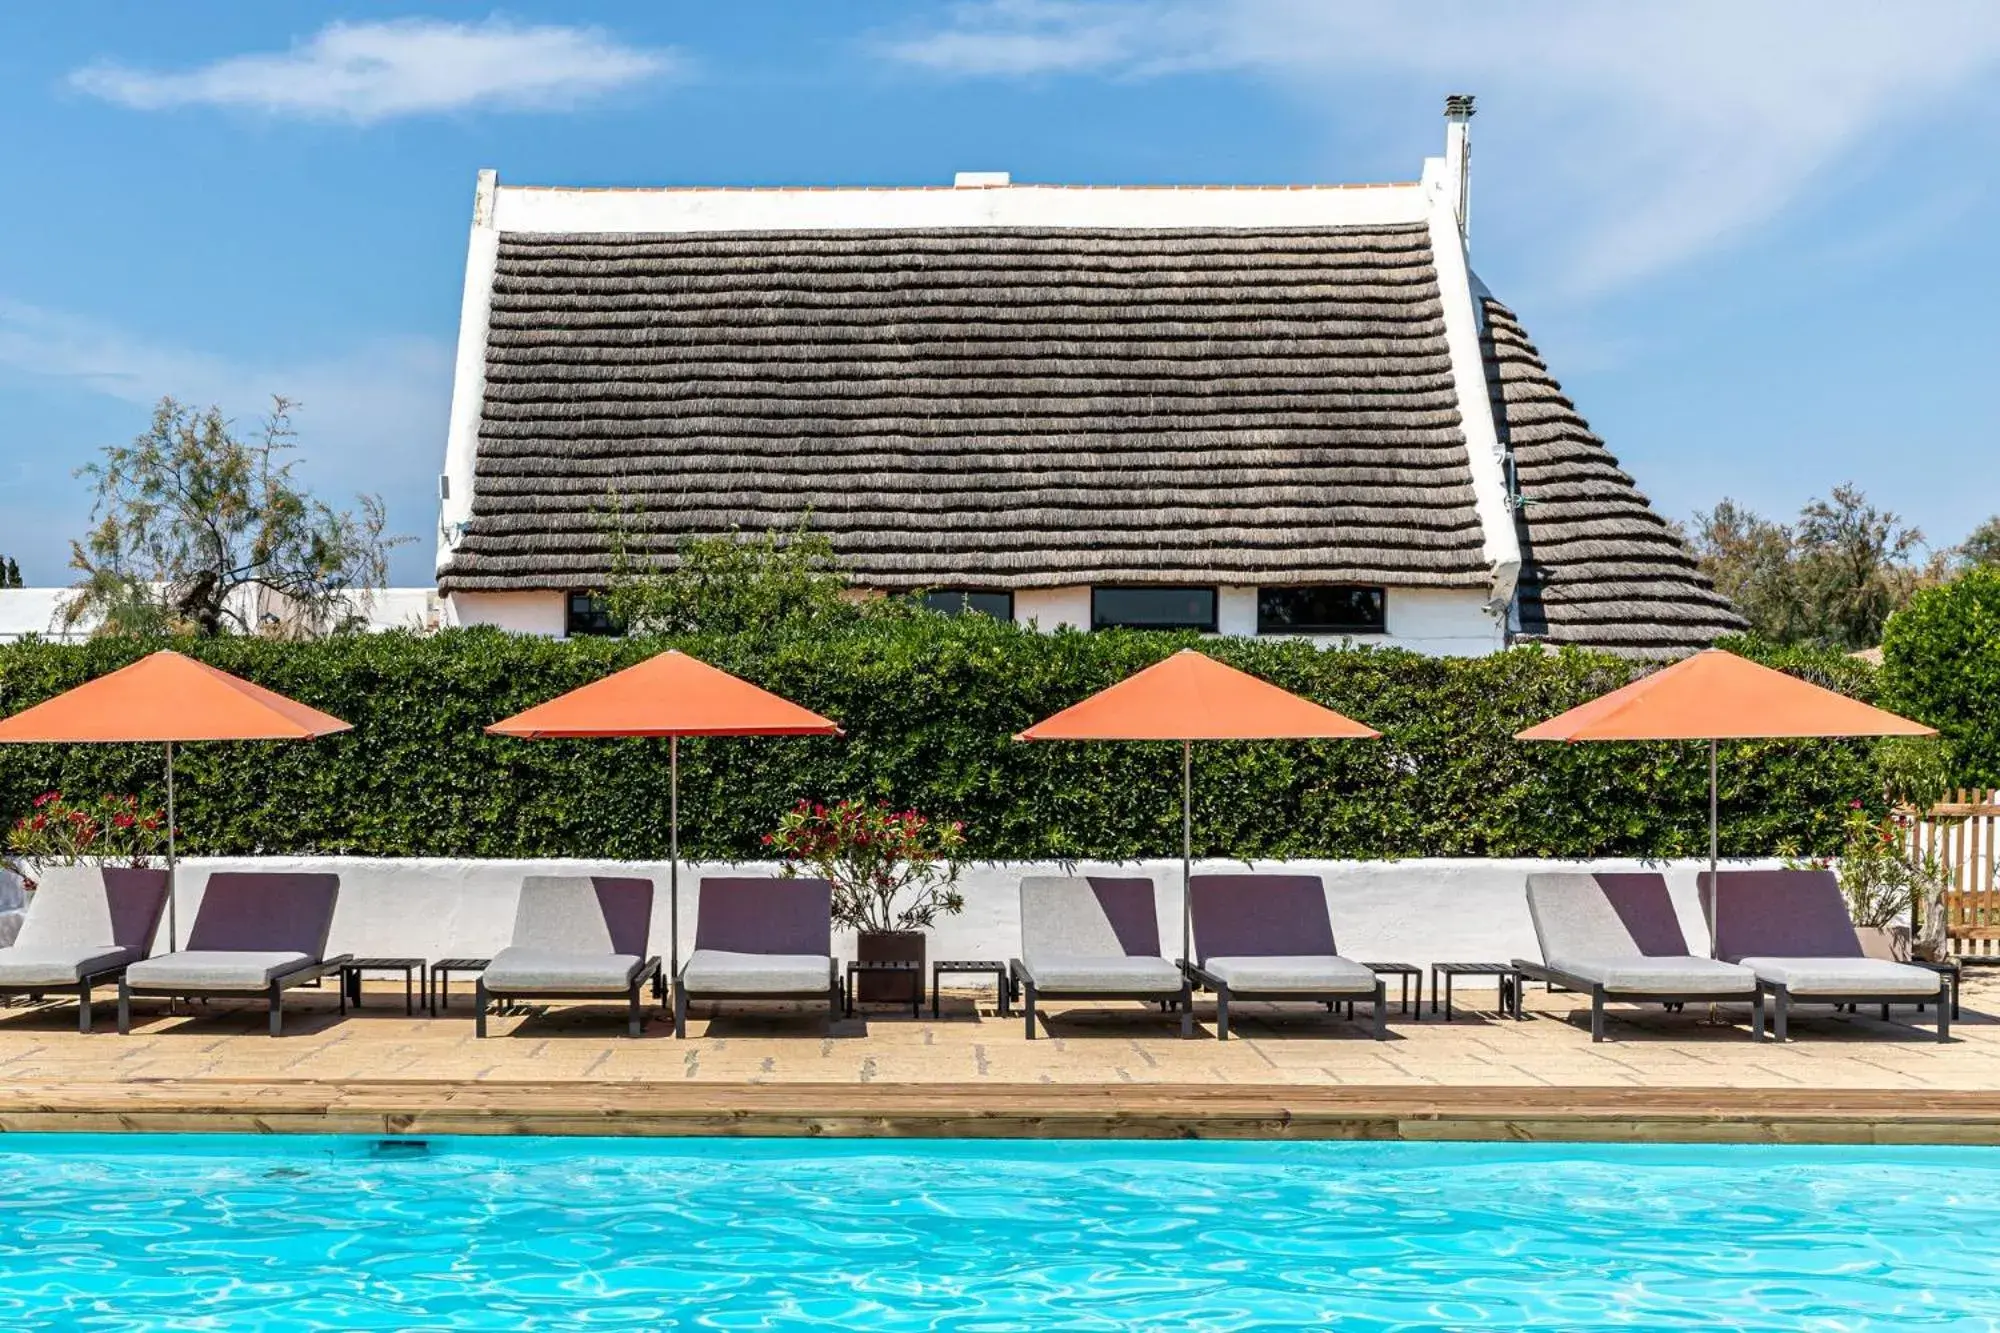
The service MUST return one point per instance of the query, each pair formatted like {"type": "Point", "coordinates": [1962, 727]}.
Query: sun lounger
{"type": "Point", "coordinates": [576, 937]}
{"type": "Point", "coordinates": [82, 931]}
{"type": "Point", "coordinates": [254, 934]}
{"type": "Point", "coordinates": [1094, 938]}
{"type": "Point", "coordinates": [1616, 937]}
{"type": "Point", "coordinates": [1268, 937]}
{"type": "Point", "coordinates": [1792, 929]}
{"type": "Point", "coordinates": [760, 939]}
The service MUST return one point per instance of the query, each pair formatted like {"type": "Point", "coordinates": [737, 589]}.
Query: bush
{"type": "Point", "coordinates": [1941, 665]}
{"type": "Point", "coordinates": [930, 705]}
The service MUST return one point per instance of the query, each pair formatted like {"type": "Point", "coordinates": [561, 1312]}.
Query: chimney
{"type": "Point", "coordinates": [1458, 155]}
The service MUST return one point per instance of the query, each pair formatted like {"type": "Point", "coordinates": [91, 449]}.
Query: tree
{"type": "Point", "coordinates": [1855, 567]}
{"type": "Point", "coordinates": [1980, 549]}
{"type": "Point", "coordinates": [770, 583]}
{"type": "Point", "coordinates": [1749, 559]}
{"type": "Point", "coordinates": [10, 573]}
{"type": "Point", "coordinates": [191, 522]}
{"type": "Point", "coordinates": [1831, 579]}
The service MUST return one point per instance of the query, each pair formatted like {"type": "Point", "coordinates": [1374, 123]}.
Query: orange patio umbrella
{"type": "Point", "coordinates": [671, 695]}
{"type": "Point", "coordinates": [1717, 696]}
{"type": "Point", "coordinates": [1187, 698]}
{"type": "Point", "coordinates": [168, 699]}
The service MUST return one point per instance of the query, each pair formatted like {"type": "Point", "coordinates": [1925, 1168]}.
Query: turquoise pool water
{"type": "Point", "coordinates": [144, 1232]}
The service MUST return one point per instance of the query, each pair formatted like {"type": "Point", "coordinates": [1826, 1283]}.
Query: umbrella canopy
{"type": "Point", "coordinates": [1716, 696]}
{"type": "Point", "coordinates": [1187, 698]}
{"type": "Point", "coordinates": [671, 695]}
{"type": "Point", "coordinates": [668, 695]}
{"type": "Point", "coordinates": [166, 698]}
{"type": "Point", "coordinates": [1192, 697]}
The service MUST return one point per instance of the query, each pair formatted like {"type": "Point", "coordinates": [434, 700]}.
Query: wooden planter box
{"type": "Point", "coordinates": [890, 946]}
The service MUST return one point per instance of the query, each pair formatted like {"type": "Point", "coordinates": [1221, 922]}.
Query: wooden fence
{"type": "Point", "coordinates": [1963, 832]}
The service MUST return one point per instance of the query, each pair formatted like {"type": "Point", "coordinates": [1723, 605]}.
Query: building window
{"type": "Point", "coordinates": [588, 614]}
{"type": "Point", "coordinates": [1153, 608]}
{"type": "Point", "coordinates": [1329, 609]}
{"type": "Point", "coordinates": [962, 601]}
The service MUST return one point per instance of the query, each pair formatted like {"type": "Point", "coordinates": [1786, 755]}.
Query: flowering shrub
{"type": "Point", "coordinates": [111, 829]}
{"type": "Point", "coordinates": [1885, 882]}
{"type": "Point", "coordinates": [874, 854]}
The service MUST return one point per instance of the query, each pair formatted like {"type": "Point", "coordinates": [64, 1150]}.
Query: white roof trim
{"type": "Point", "coordinates": [1484, 456]}
{"type": "Point", "coordinates": [532, 209]}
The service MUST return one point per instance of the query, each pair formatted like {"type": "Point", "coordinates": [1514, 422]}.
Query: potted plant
{"type": "Point", "coordinates": [894, 872]}
{"type": "Point", "coordinates": [114, 836]}
{"type": "Point", "coordinates": [1884, 883]}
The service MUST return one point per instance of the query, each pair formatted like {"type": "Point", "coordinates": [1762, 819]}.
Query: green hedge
{"type": "Point", "coordinates": [1941, 663]}
{"type": "Point", "coordinates": [929, 705]}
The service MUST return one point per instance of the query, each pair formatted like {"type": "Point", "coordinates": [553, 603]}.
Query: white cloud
{"type": "Point", "coordinates": [366, 72]}
{"type": "Point", "coordinates": [1657, 131]}
{"type": "Point", "coordinates": [371, 419]}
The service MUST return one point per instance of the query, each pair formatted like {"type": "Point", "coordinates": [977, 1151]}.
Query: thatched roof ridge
{"type": "Point", "coordinates": [1599, 568]}
{"type": "Point", "coordinates": [1006, 407]}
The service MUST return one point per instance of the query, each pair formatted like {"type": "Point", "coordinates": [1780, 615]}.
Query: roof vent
{"type": "Point", "coordinates": [980, 180]}
{"type": "Point", "coordinates": [1458, 106]}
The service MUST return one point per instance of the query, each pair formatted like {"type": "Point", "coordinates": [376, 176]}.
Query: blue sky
{"type": "Point", "coordinates": [1754, 241]}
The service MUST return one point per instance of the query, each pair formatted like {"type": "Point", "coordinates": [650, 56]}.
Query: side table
{"type": "Point", "coordinates": [974, 965]}
{"type": "Point", "coordinates": [441, 972]}
{"type": "Point", "coordinates": [1404, 972]}
{"type": "Point", "coordinates": [411, 968]}
{"type": "Point", "coordinates": [1507, 974]}
{"type": "Point", "coordinates": [889, 965]}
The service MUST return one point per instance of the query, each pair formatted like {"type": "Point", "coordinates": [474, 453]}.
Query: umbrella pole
{"type": "Point", "coordinates": [674, 851]}
{"type": "Point", "coordinates": [173, 863]}
{"type": "Point", "coordinates": [1187, 849]}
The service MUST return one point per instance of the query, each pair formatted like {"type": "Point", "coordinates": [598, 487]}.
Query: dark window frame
{"type": "Point", "coordinates": [591, 620]}
{"type": "Point", "coordinates": [1267, 625]}
{"type": "Point", "coordinates": [1099, 622]}
{"type": "Point", "coordinates": [965, 608]}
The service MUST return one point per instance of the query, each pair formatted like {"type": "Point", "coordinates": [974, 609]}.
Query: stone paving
{"type": "Point", "coordinates": [971, 1045]}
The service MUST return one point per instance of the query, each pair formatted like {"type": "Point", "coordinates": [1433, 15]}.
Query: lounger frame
{"type": "Point", "coordinates": [273, 992]}
{"type": "Point", "coordinates": [833, 995]}
{"type": "Point", "coordinates": [81, 988]}
{"type": "Point", "coordinates": [640, 973]}
{"type": "Point", "coordinates": [1600, 995]}
{"type": "Point", "coordinates": [1225, 993]}
{"type": "Point", "coordinates": [1022, 978]}
{"type": "Point", "coordinates": [1784, 997]}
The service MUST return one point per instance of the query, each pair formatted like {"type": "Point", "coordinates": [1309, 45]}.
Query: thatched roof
{"type": "Point", "coordinates": [1003, 407]}
{"type": "Point", "coordinates": [1599, 569]}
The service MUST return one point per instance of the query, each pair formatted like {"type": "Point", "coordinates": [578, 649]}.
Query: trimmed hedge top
{"type": "Point", "coordinates": [930, 705]}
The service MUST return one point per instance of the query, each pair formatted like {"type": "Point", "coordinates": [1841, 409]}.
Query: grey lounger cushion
{"type": "Point", "coordinates": [1315, 974]}
{"type": "Point", "coordinates": [601, 915]}
{"type": "Point", "coordinates": [1619, 930]}
{"type": "Point", "coordinates": [1107, 974]}
{"type": "Point", "coordinates": [84, 922]}
{"type": "Point", "coordinates": [1660, 976]}
{"type": "Point", "coordinates": [1094, 933]}
{"type": "Point", "coordinates": [723, 972]}
{"type": "Point", "coordinates": [1871, 977]}
{"type": "Point", "coordinates": [574, 933]}
{"type": "Point", "coordinates": [215, 969]}
{"type": "Point", "coordinates": [764, 915]}
{"type": "Point", "coordinates": [56, 965]}
{"type": "Point", "coordinates": [1271, 933]}
{"type": "Point", "coordinates": [265, 913]}
{"type": "Point", "coordinates": [518, 971]}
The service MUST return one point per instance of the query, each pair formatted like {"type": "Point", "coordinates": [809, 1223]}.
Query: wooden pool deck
{"type": "Point", "coordinates": [1120, 1071]}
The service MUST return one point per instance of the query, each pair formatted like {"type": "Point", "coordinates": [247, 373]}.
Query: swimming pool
{"type": "Point", "coordinates": [227, 1232]}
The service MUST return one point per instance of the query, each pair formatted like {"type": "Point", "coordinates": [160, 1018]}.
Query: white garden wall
{"type": "Point", "coordinates": [1417, 911]}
